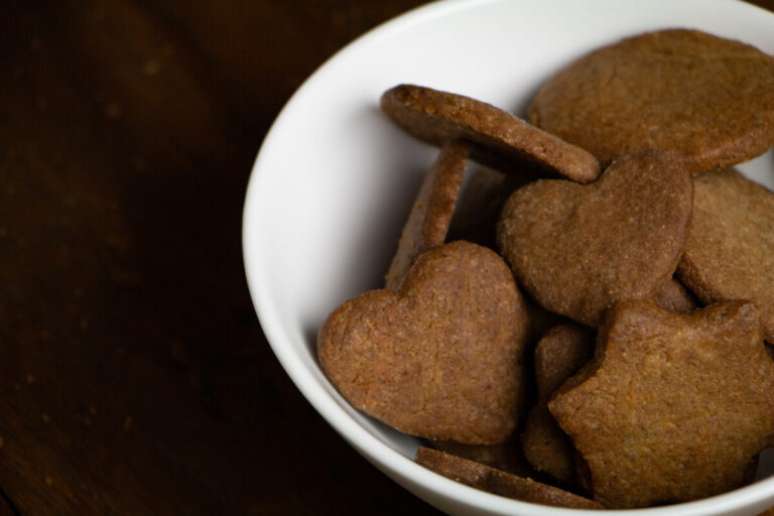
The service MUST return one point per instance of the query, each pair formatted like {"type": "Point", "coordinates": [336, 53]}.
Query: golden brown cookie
{"type": "Point", "coordinates": [558, 355]}
{"type": "Point", "coordinates": [674, 406]}
{"type": "Point", "coordinates": [497, 138]}
{"type": "Point", "coordinates": [432, 211]}
{"type": "Point", "coordinates": [499, 482]}
{"type": "Point", "coordinates": [578, 249]}
{"type": "Point", "coordinates": [441, 358]}
{"type": "Point", "coordinates": [709, 98]}
{"type": "Point", "coordinates": [675, 297]}
{"type": "Point", "coordinates": [729, 253]}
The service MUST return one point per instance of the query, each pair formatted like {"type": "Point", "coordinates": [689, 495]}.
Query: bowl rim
{"type": "Point", "coordinates": [345, 425]}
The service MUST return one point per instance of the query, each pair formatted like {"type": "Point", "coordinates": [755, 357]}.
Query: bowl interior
{"type": "Point", "coordinates": [334, 180]}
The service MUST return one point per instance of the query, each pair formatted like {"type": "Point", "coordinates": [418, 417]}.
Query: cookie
{"type": "Point", "coordinates": [729, 253]}
{"type": "Point", "coordinates": [506, 457]}
{"type": "Point", "coordinates": [540, 321]}
{"type": "Point", "coordinates": [578, 249]}
{"type": "Point", "coordinates": [499, 482]}
{"type": "Point", "coordinates": [558, 355]}
{"type": "Point", "coordinates": [497, 138]}
{"type": "Point", "coordinates": [674, 407]}
{"type": "Point", "coordinates": [442, 357]}
{"type": "Point", "coordinates": [431, 213]}
{"type": "Point", "coordinates": [675, 297]}
{"type": "Point", "coordinates": [481, 200]}
{"type": "Point", "coordinates": [709, 98]}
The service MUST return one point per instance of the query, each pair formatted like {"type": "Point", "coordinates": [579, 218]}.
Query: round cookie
{"type": "Point", "coordinates": [432, 211]}
{"type": "Point", "coordinates": [442, 357]}
{"type": "Point", "coordinates": [729, 253]}
{"type": "Point", "coordinates": [497, 138]}
{"type": "Point", "coordinates": [709, 98]}
{"type": "Point", "coordinates": [505, 456]}
{"type": "Point", "coordinates": [578, 249]}
{"type": "Point", "coordinates": [499, 482]}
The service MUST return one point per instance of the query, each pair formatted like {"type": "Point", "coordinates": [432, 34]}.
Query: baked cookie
{"type": "Point", "coordinates": [729, 253]}
{"type": "Point", "coordinates": [674, 406]}
{"type": "Point", "coordinates": [497, 138]}
{"type": "Point", "coordinates": [499, 482]}
{"type": "Point", "coordinates": [558, 355]}
{"type": "Point", "coordinates": [481, 199]}
{"type": "Point", "coordinates": [578, 249]}
{"type": "Point", "coordinates": [432, 211]}
{"type": "Point", "coordinates": [675, 297]}
{"type": "Point", "coordinates": [709, 98]}
{"type": "Point", "coordinates": [442, 357]}
{"type": "Point", "coordinates": [506, 457]}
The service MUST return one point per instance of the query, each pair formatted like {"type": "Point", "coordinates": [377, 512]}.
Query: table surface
{"type": "Point", "coordinates": [134, 375]}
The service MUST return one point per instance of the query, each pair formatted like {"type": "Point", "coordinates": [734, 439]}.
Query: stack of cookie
{"type": "Point", "coordinates": [595, 334]}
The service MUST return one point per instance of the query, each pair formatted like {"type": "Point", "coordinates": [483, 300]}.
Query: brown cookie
{"type": "Point", "coordinates": [579, 249]}
{"type": "Point", "coordinates": [540, 321]}
{"type": "Point", "coordinates": [505, 457]}
{"type": "Point", "coordinates": [478, 208]}
{"type": "Point", "coordinates": [558, 355]}
{"type": "Point", "coordinates": [441, 358]}
{"type": "Point", "coordinates": [499, 482]}
{"type": "Point", "coordinates": [729, 253]}
{"type": "Point", "coordinates": [497, 138]}
{"type": "Point", "coordinates": [675, 297]}
{"type": "Point", "coordinates": [431, 213]}
{"type": "Point", "coordinates": [709, 98]}
{"type": "Point", "coordinates": [674, 406]}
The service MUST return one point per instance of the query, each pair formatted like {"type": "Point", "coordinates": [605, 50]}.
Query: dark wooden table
{"type": "Point", "coordinates": [134, 378]}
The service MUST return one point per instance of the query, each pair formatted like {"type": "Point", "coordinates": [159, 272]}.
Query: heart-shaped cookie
{"type": "Point", "coordinates": [579, 249]}
{"type": "Point", "coordinates": [441, 358]}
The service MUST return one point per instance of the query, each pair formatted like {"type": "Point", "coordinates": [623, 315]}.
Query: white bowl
{"type": "Point", "coordinates": [334, 180]}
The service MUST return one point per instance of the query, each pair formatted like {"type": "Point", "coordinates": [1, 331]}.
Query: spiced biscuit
{"type": "Point", "coordinates": [675, 297]}
{"type": "Point", "coordinates": [442, 357]}
{"type": "Point", "coordinates": [497, 138]}
{"type": "Point", "coordinates": [430, 216]}
{"type": "Point", "coordinates": [481, 199]}
{"type": "Point", "coordinates": [674, 407]}
{"type": "Point", "coordinates": [558, 355]}
{"type": "Point", "coordinates": [540, 321]}
{"type": "Point", "coordinates": [506, 457]}
{"type": "Point", "coordinates": [499, 482]}
{"type": "Point", "coordinates": [729, 253]}
{"type": "Point", "coordinates": [578, 249]}
{"type": "Point", "coordinates": [709, 98]}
